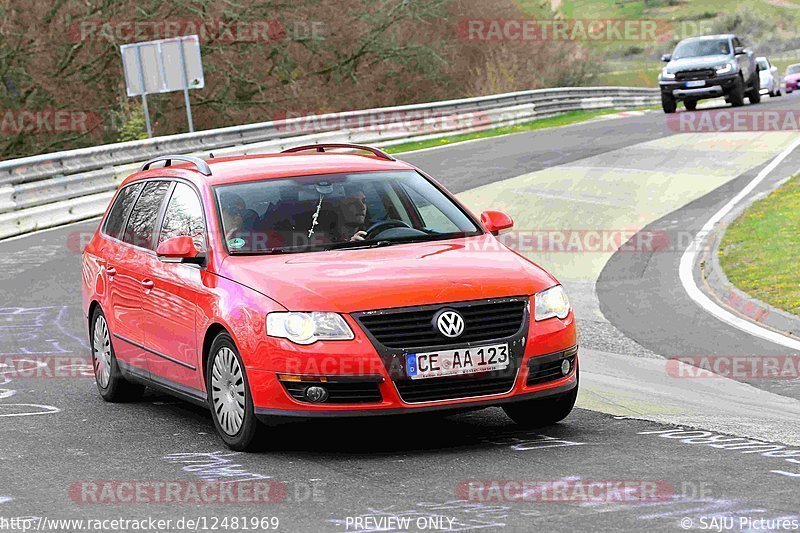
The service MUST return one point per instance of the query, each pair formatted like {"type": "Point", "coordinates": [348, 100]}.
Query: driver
{"type": "Point", "coordinates": [352, 214]}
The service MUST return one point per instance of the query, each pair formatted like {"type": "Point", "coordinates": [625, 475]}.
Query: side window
{"type": "Point", "coordinates": [736, 42]}
{"type": "Point", "coordinates": [142, 222]}
{"type": "Point", "coordinates": [121, 209]}
{"type": "Point", "coordinates": [184, 217]}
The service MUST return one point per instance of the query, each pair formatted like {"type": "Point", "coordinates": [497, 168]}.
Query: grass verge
{"type": "Point", "coordinates": [563, 119]}
{"type": "Point", "coordinates": [759, 252]}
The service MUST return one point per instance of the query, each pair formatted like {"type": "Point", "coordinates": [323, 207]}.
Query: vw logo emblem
{"type": "Point", "coordinates": [450, 323]}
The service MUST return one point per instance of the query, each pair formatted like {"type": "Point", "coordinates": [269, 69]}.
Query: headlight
{"type": "Point", "coordinates": [308, 328]}
{"type": "Point", "coordinates": [667, 75]}
{"type": "Point", "coordinates": [550, 303]}
{"type": "Point", "coordinates": [724, 69]}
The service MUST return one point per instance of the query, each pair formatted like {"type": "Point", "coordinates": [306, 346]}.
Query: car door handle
{"type": "Point", "coordinates": [148, 284]}
{"type": "Point", "coordinates": [111, 271]}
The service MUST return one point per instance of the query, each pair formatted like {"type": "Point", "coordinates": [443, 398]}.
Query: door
{"type": "Point", "coordinates": [170, 307]}
{"type": "Point", "coordinates": [127, 274]}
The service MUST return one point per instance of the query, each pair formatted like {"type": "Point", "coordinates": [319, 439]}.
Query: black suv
{"type": "Point", "coordinates": [709, 67]}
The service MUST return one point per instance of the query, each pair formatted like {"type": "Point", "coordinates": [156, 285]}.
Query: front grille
{"type": "Point", "coordinates": [698, 74]}
{"type": "Point", "coordinates": [456, 387]}
{"type": "Point", "coordinates": [546, 368]}
{"type": "Point", "coordinates": [345, 392]}
{"type": "Point", "coordinates": [414, 328]}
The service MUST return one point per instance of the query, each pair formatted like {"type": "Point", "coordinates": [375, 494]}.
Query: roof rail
{"type": "Point", "coordinates": [377, 152]}
{"type": "Point", "coordinates": [202, 166]}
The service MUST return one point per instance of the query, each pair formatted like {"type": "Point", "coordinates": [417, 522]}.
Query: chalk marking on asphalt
{"type": "Point", "coordinates": [5, 499]}
{"type": "Point", "coordinates": [46, 409]}
{"type": "Point", "coordinates": [689, 256]}
{"type": "Point", "coordinates": [214, 467]}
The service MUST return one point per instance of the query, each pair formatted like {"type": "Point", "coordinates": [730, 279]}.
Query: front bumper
{"type": "Point", "coordinates": [360, 362]}
{"type": "Point", "coordinates": [713, 88]}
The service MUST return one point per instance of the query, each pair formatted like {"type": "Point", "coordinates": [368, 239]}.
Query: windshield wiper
{"type": "Point", "coordinates": [359, 244]}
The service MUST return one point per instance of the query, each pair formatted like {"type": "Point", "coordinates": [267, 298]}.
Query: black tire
{"type": "Point", "coordinates": [246, 435]}
{"type": "Point", "coordinates": [690, 105]}
{"type": "Point", "coordinates": [668, 103]}
{"type": "Point", "coordinates": [542, 412]}
{"type": "Point", "coordinates": [111, 384]}
{"type": "Point", "coordinates": [736, 96]}
{"type": "Point", "coordinates": [754, 95]}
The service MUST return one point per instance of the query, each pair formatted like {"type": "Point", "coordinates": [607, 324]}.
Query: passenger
{"type": "Point", "coordinates": [233, 202]}
{"type": "Point", "coordinates": [232, 222]}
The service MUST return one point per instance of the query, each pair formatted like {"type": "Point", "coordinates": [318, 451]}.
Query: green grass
{"type": "Point", "coordinates": [760, 250]}
{"type": "Point", "coordinates": [563, 119]}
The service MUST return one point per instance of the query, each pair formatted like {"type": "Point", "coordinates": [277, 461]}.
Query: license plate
{"type": "Point", "coordinates": [696, 83]}
{"type": "Point", "coordinates": [457, 362]}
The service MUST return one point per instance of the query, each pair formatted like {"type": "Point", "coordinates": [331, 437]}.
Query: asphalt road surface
{"type": "Point", "coordinates": [67, 455]}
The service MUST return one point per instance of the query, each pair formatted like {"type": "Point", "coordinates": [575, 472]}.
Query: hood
{"type": "Point", "coordinates": [401, 275]}
{"type": "Point", "coordinates": [689, 63]}
{"type": "Point", "coordinates": [792, 77]}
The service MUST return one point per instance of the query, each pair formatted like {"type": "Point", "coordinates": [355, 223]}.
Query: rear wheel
{"type": "Point", "coordinates": [736, 96]}
{"type": "Point", "coordinates": [229, 396]}
{"type": "Point", "coordinates": [542, 412]}
{"type": "Point", "coordinates": [668, 103]}
{"type": "Point", "coordinates": [754, 95]}
{"type": "Point", "coordinates": [691, 105]}
{"type": "Point", "coordinates": [112, 385]}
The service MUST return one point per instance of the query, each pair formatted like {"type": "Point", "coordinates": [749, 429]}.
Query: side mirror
{"type": "Point", "coordinates": [739, 50]}
{"type": "Point", "coordinates": [666, 58]}
{"type": "Point", "coordinates": [496, 221]}
{"type": "Point", "coordinates": [180, 250]}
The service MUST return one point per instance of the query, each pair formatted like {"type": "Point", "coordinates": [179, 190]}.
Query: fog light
{"type": "Point", "coordinates": [316, 394]}
{"type": "Point", "coordinates": [565, 366]}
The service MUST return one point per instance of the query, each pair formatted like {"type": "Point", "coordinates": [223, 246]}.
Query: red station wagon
{"type": "Point", "coordinates": [313, 283]}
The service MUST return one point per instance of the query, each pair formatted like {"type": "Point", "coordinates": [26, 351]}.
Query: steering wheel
{"type": "Point", "coordinates": [379, 227]}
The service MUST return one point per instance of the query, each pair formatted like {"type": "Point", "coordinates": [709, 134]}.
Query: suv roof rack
{"type": "Point", "coordinates": [202, 166]}
{"type": "Point", "coordinates": [377, 152]}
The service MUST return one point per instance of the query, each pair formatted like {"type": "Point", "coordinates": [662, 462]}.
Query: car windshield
{"type": "Point", "coordinates": [763, 64]}
{"type": "Point", "coordinates": [793, 69]}
{"type": "Point", "coordinates": [314, 213]}
{"type": "Point", "coordinates": [705, 47]}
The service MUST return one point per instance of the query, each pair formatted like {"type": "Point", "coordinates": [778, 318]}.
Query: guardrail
{"type": "Point", "coordinates": [62, 187]}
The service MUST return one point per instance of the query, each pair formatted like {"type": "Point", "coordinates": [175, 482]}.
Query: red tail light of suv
{"type": "Point", "coordinates": [314, 283]}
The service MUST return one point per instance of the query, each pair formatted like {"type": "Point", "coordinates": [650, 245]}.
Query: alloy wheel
{"type": "Point", "coordinates": [227, 391]}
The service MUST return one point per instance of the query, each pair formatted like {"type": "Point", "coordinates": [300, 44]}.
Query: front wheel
{"type": "Point", "coordinates": [668, 103]}
{"type": "Point", "coordinates": [542, 412]}
{"type": "Point", "coordinates": [229, 396]}
{"type": "Point", "coordinates": [736, 96]}
{"type": "Point", "coordinates": [112, 385]}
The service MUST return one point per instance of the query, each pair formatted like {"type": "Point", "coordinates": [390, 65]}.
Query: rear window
{"type": "Point", "coordinates": [121, 209]}
{"type": "Point", "coordinates": [142, 222]}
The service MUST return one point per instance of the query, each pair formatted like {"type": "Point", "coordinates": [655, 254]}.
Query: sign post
{"type": "Point", "coordinates": [163, 66]}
